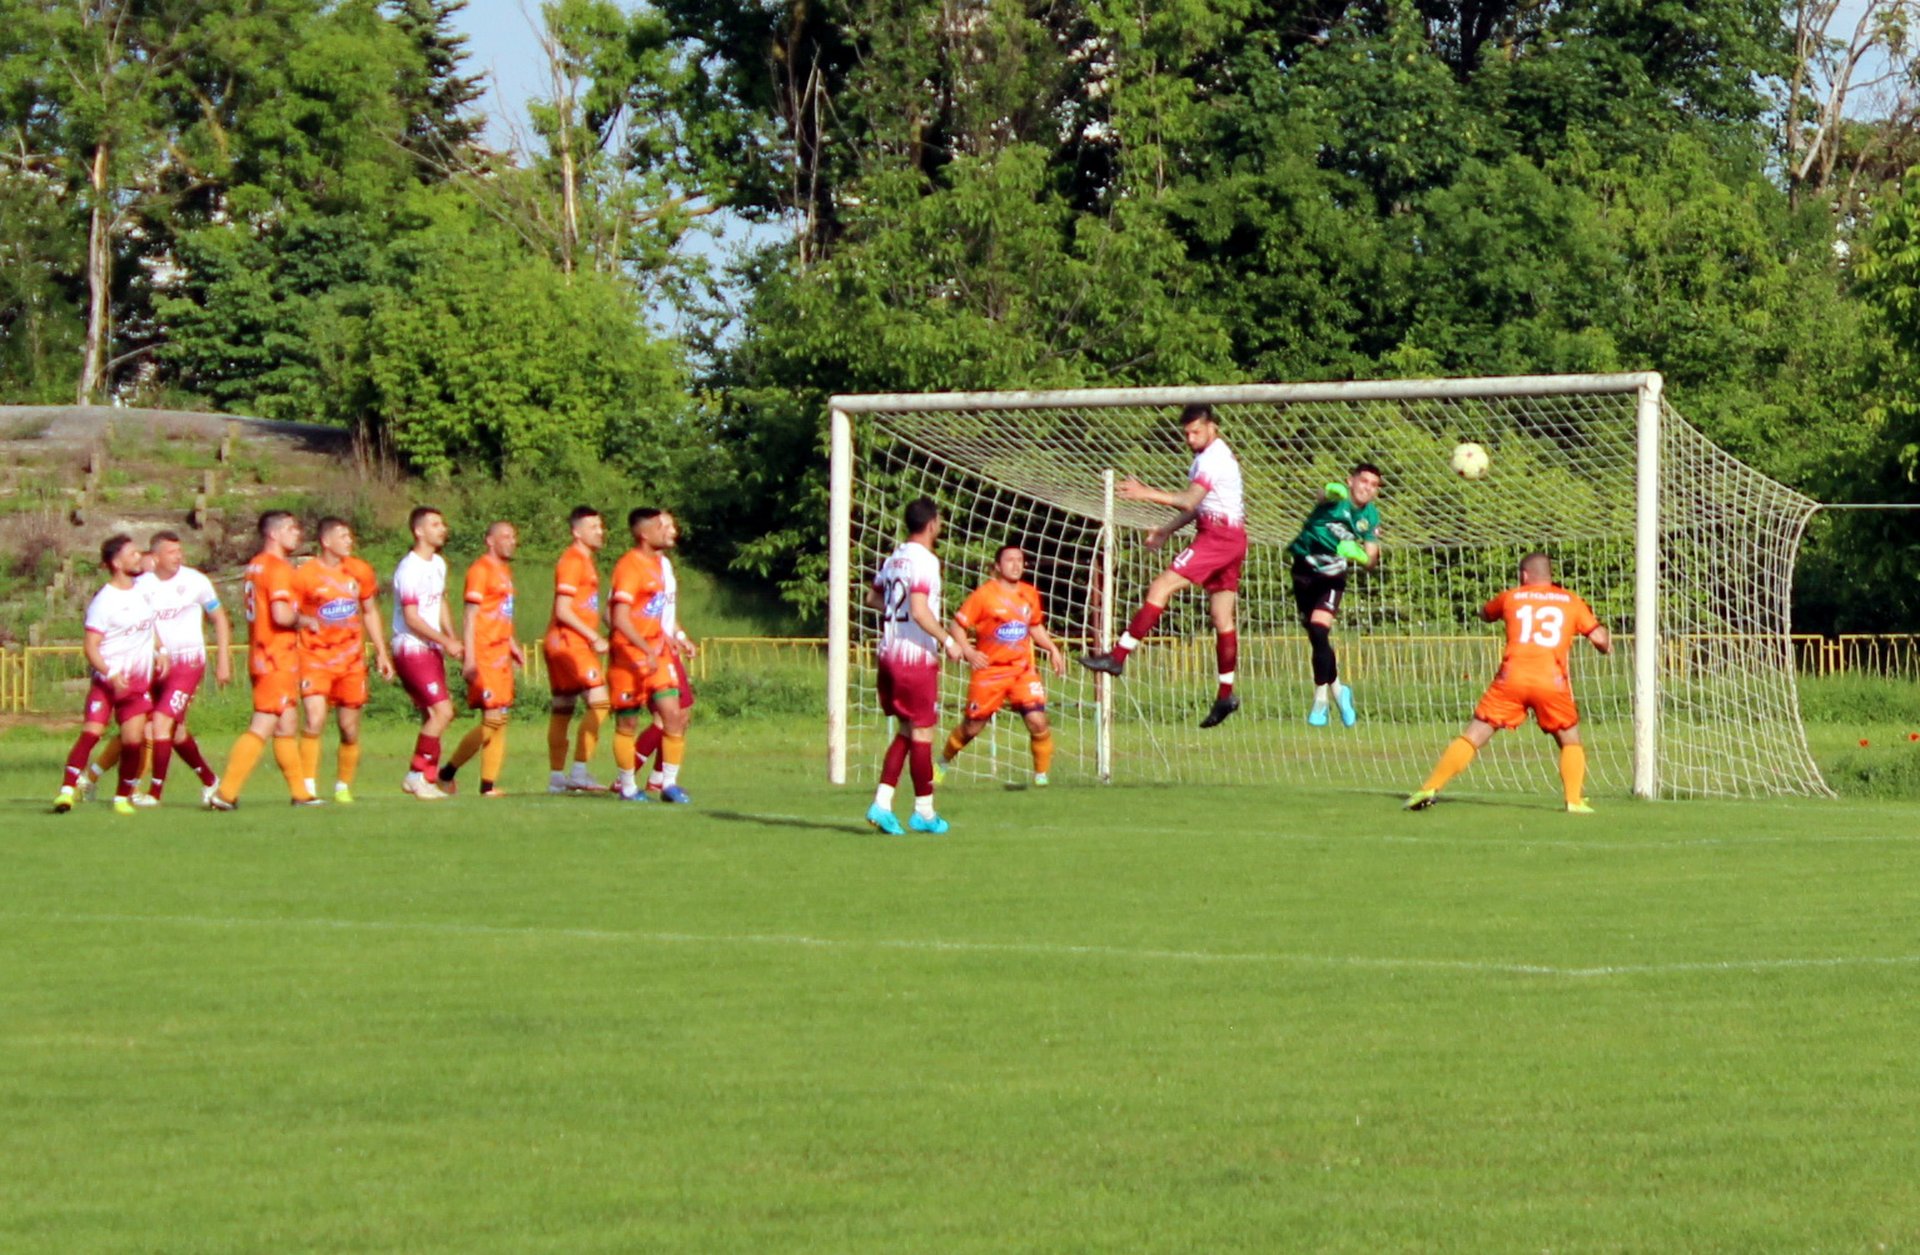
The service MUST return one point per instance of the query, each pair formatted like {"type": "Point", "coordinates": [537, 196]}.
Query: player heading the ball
{"type": "Point", "coordinates": [1542, 620]}
{"type": "Point", "coordinates": [1215, 502]}
{"type": "Point", "coordinates": [1341, 531]}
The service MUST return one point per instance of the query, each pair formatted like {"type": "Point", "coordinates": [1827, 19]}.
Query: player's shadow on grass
{"type": "Point", "coordinates": [790, 821]}
{"type": "Point", "coordinates": [1498, 803]}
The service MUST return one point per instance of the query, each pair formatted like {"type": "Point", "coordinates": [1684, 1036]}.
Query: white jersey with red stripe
{"type": "Point", "coordinates": [421, 583]}
{"type": "Point", "coordinates": [1225, 504]}
{"type": "Point", "coordinates": [123, 620]}
{"type": "Point", "coordinates": [911, 569]}
{"type": "Point", "coordinates": [181, 605]}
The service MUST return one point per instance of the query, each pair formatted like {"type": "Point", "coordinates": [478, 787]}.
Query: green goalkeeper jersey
{"type": "Point", "coordinates": [1330, 523]}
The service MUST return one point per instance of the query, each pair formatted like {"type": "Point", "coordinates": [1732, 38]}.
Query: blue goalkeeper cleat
{"type": "Point", "coordinates": [674, 793]}
{"type": "Point", "coordinates": [935, 825]}
{"type": "Point", "coordinates": [883, 819]}
{"type": "Point", "coordinates": [1343, 697]}
{"type": "Point", "coordinates": [1317, 717]}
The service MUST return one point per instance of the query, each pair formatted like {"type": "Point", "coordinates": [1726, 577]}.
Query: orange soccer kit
{"type": "Point", "coordinates": [273, 652]}
{"type": "Point", "coordinates": [641, 586]}
{"type": "Point", "coordinates": [1002, 620]}
{"type": "Point", "coordinates": [333, 656]}
{"type": "Point", "coordinates": [572, 666]}
{"type": "Point", "coordinates": [1542, 621]}
{"type": "Point", "coordinates": [489, 598]}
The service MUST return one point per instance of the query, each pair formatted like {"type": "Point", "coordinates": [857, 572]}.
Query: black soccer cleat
{"type": "Point", "coordinates": [1105, 664]}
{"type": "Point", "coordinates": [1222, 707]}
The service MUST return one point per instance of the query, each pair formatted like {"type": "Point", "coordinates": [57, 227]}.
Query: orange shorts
{"type": "Point", "coordinates": [634, 684]}
{"type": "Point", "coordinates": [492, 685]}
{"type": "Point", "coordinates": [276, 691]}
{"type": "Point", "coordinates": [1017, 686]}
{"type": "Point", "coordinates": [573, 668]}
{"type": "Point", "coordinates": [341, 686]}
{"type": "Point", "coordinates": [1507, 700]}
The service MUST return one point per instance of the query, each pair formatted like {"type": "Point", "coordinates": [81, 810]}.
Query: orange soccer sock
{"type": "Point", "coordinates": [349, 762]}
{"type": "Point", "coordinates": [623, 755]}
{"type": "Point", "coordinates": [588, 739]}
{"type": "Point", "coordinates": [240, 764]}
{"type": "Point", "coordinates": [309, 757]}
{"type": "Point", "coordinates": [1573, 771]}
{"type": "Point", "coordinates": [1042, 752]}
{"type": "Point", "coordinates": [494, 756]}
{"type": "Point", "coordinates": [286, 752]}
{"type": "Point", "coordinates": [146, 761]}
{"type": "Point", "coordinates": [673, 749]}
{"type": "Point", "coordinates": [108, 758]}
{"type": "Point", "coordinates": [955, 743]}
{"type": "Point", "coordinates": [470, 744]}
{"type": "Point", "coordinates": [557, 740]}
{"type": "Point", "coordinates": [1458, 757]}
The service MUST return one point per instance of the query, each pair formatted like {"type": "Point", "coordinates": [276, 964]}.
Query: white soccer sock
{"type": "Point", "coordinates": [883, 797]}
{"type": "Point", "coordinates": [1226, 677]}
{"type": "Point", "coordinates": [311, 791]}
{"type": "Point", "coordinates": [625, 781]}
{"type": "Point", "coordinates": [1321, 694]}
{"type": "Point", "coordinates": [580, 771]}
{"type": "Point", "coordinates": [923, 806]}
{"type": "Point", "coordinates": [1129, 641]}
{"type": "Point", "coordinates": [94, 773]}
{"type": "Point", "coordinates": [413, 780]}
{"type": "Point", "coordinates": [556, 777]}
{"type": "Point", "coordinates": [657, 781]}
{"type": "Point", "coordinates": [669, 773]}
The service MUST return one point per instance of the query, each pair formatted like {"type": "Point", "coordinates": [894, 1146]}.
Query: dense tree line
{"type": "Point", "coordinates": [285, 207]}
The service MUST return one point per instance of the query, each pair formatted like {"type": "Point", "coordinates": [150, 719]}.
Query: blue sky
{"type": "Point", "coordinates": [502, 46]}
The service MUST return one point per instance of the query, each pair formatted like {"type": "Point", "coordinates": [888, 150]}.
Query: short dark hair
{"type": "Point", "coordinates": [1195, 412]}
{"type": "Point", "coordinates": [1366, 468]}
{"type": "Point", "coordinates": [420, 514]}
{"type": "Point", "coordinates": [1538, 558]}
{"type": "Point", "coordinates": [110, 547]}
{"type": "Point", "coordinates": [272, 519]}
{"type": "Point", "coordinates": [163, 535]}
{"type": "Point", "coordinates": [581, 512]}
{"type": "Point", "coordinates": [641, 513]}
{"type": "Point", "coordinates": [497, 524]}
{"type": "Point", "coordinates": [920, 512]}
{"type": "Point", "coordinates": [330, 523]}
{"type": "Point", "coordinates": [1011, 544]}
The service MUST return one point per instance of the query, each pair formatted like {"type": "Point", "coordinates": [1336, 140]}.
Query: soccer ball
{"type": "Point", "coordinates": [1470, 461]}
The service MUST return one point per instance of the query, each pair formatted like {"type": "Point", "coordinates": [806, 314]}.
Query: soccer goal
{"type": "Point", "coordinates": [1685, 552]}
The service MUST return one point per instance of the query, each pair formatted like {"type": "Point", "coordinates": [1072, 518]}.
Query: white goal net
{"type": "Point", "coordinates": [1686, 553]}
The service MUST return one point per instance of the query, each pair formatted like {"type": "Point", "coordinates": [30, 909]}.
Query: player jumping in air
{"type": "Point", "coordinates": [1342, 530]}
{"type": "Point", "coordinates": [1213, 499]}
{"type": "Point", "coordinates": [907, 595]}
{"type": "Point", "coordinates": [1542, 619]}
{"type": "Point", "coordinates": [492, 654]}
{"type": "Point", "coordinates": [1005, 619]}
{"type": "Point", "coordinates": [119, 649]}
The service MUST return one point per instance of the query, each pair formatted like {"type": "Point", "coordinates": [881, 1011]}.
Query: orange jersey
{"type": "Point", "coordinates": [331, 598]}
{"type": "Point", "coordinates": [1542, 620]}
{"type": "Point", "coordinates": [363, 576]}
{"type": "Point", "coordinates": [640, 585]}
{"type": "Point", "coordinates": [576, 581]}
{"type": "Point", "coordinates": [1002, 620]}
{"type": "Point", "coordinates": [271, 647]}
{"type": "Point", "coordinates": [489, 599]}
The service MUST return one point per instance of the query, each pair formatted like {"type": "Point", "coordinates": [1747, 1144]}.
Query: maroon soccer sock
{"type": "Point", "coordinates": [130, 764]}
{"type": "Point", "coordinates": [162, 759]}
{"type": "Point", "coordinates": [890, 767]}
{"type": "Point", "coordinates": [1226, 648]}
{"type": "Point", "coordinates": [1138, 629]}
{"type": "Point", "coordinates": [426, 754]}
{"type": "Point", "coordinates": [78, 759]}
{"type": "Point", "coordinates": [647, 745]}
{"type": "Point", "coordinates": [922, 759]}
{"type": "Point", "coordinates": [189, 751]}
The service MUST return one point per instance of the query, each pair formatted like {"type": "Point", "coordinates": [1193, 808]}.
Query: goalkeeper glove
{"type": "Point", "coordinates": [1353, 551]}
{"type": "Point", "coordinates": [1337, 491]}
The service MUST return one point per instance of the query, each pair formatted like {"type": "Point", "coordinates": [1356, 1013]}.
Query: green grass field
{"type": "Point", "coordinates": [1125, 1019]}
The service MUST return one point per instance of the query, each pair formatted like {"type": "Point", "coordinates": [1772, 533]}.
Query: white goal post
{"type": "Point", "coordinates": [1684, 551]}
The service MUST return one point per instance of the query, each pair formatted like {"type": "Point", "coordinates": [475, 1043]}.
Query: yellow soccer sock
{"type": "Point", "coordinates": [309, 756]}
{"type": "Point", "coordinates": [240, 764]}
{"type": "Point", "coordinates": [494, 756]}
{"type": "Point", "coordinates": [1042, 752]}
{"type": "Point", "coordinates": [1458, 757]}
{"type": "Point", "coordinates": [470, 745]}
{"type": "Point", "coordinates": [588, 739]}
{"type": "Point", "coordinates": [623, 747]}
{"type": "Point", "coordinates": [349, 762]}
{"type": "Point", "coordinates": [955, 743]}
{"type": "Point", "coordinates": [673, 750]}
{"type": "Point", "coordinates": [557, 740]}
{"type": "Point", "coordinates": [109, 757]}
{"type": "Point", "coordinates": [1573, 771]}
{"type": "Point", "coordinates": [286, 752]}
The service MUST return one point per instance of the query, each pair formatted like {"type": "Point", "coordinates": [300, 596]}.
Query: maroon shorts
{"type": "Point", "coordinates": [1214, 558]}
{"type": "Point", "coordinates": [910, 692]}
{"type": "Point", "coordinates": [104, 708]}
{"type": "Point", "coordinates": [173, 692]}
{"type": "Point", "coordinates": [423, 673]}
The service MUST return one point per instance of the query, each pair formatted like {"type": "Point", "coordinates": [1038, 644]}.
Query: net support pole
{"type": "Point", "coordinates": [839, 591]}
{"type": "Point", "coordinates": [1646, 593]}
{"type": "Point", "coordinates": [1103, 683]}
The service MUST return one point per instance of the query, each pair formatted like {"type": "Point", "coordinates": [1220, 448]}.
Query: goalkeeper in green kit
{"type": "Point", "coordinates": [1341, 531]}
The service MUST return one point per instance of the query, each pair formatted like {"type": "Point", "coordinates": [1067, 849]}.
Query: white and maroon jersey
{"type": "Point", "coordinates": [421, 583]}
{"type": "Point", "coordinates": [911, 569]}
{"type": "Point", "coordinates": [1225, 504]}
{"type": "Point", "coordinates": [123, 618]}
{"type": "Point", "coordinates": [670, 592]}
{"type": "Point", "coordinates": [180, 609]}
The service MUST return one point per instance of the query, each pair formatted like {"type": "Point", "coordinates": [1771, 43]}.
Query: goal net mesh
{"type": "Point", "coordinates": [1409, 637]}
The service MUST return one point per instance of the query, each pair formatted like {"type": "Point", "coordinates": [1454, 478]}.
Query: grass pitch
{"type": "Point", "coordinates": [1126, 1019]}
